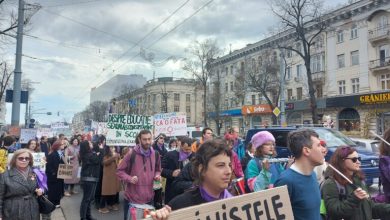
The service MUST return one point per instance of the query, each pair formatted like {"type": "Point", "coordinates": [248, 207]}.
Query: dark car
{"type": "Point", "coordinates": [333, 139]}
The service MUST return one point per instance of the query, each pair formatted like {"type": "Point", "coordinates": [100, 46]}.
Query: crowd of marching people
{"type": "Point", "coordinates": [169, 173]}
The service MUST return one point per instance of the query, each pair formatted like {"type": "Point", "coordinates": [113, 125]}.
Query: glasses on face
{"type": "Point", "coordinates": [354, 159]}
{"type": "Point", "coordinates": [24, 158]}
{"type": "Point", "coordinates": [161, 137]}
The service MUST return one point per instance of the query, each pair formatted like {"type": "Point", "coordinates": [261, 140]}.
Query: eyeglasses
{"type": "Point", "coordinates": [354, 159]}
{"type": "Point", "coordinates": [24, 158]}
{"type": "Point", "coordinates": [161, 137]}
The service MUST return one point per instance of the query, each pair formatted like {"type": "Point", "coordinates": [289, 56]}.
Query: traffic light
{"type": "Point", "coordinates": [32, 123]}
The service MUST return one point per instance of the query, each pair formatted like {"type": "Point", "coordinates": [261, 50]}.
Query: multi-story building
{"type": "Point", "coordinates": [165, 94]}
{"type": "Point", "coordinates": [115, 86]}
{"type": "Point", "coordinates": [350, 65]}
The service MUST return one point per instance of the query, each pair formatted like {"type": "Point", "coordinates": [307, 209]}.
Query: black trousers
{"type": "Point", "coordinates": [88, 194]}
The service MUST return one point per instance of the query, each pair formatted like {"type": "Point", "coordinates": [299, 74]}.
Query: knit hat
{"type": "Point", "coordinates": [261, 137]}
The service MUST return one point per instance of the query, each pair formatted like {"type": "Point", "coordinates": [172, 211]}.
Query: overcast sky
{"type": "Point", "coordinates": [74, 45]}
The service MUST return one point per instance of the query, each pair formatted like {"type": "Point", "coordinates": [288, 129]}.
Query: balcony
{"type": "Point", "coordinates": [379, 35]}
{"type": "Point", "coordinates": [380, 65]}
{"type": "Point", "coordinates": [318, 76]}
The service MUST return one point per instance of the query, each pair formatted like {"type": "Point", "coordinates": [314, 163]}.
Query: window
{"type": "Point", "coordinates": [188, 119]}
{"type": "Point", "coordinates": [242, 69]}
{"type": "Point", "coordinates": [354, 31]}
{"type": "Point", "coordinates": [299, 71]}
{"type": "Point", "coordinates": [319, 91]}
{"type": "Point", "coordinates": [188, 109]}
{"type": "Point", "coordinates": [341, 87]}
{"type": "Point", "coordinates": [383, 22]}
{"type": "Point", "coordinates": [231, 70]}
{"type": "Point", "coordinates": [188, 97]}
{"type": "Point", "coordinates": [340, 36]}
{"type": "Point", "coordinates": [253, 65]}
{"type": "Point", "coordinates": [355, 85]}
{"type": "Point", "coordinates": [288, 73]}
{"type": "Point", "coordinates": [227, 70]}
{"type": "Point", "coordinates": [253, 99]}
{"type": "Point", "coordinates": [226, 87]}
{"type": "Point", "coordinates": [176, 108]}
{"type": "Point", "coordinates": [355, 58]}
{"type": "Point", "coordinates": [298, 47]}
{"type": "Point", "coordinates": [317, 63]}
{"type": "Point", "coordinates": [275, 56]}
{"type": "Point", "coordinates": [385, 81]}
{"type": "Point", "coordinates": [231, 86]}
{"type": "Point", "coordinates": [232, 103]}
{"type": "Point", "coordinates": [176, 96]}
{"type": "Point", "coordinates": [341, 60]}
{"type": "Point", "coordinates": [299, 93]}
{"type": "Point", "coordinates": [260, 61]}
{"type": "Point", "coordinates": [289, 94]}
{"type": "Point", "coordinates": [289, 53]}
{"type": "Point", "coordinates": [319, 43]}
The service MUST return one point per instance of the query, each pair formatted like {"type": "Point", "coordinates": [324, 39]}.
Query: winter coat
{"type": "Point", "coordinates": [90, 169]}
{"type": "Point", "coordinates": [236, 165]}
{"type": "Point", "coordinates": [18, 200]}
{"type": "Point", "coordinates": [170, 163]}
{"type": "Point", "coordinates": [347, 206]}
{"type": "Point", "coordinates": [110, 182]}
{"type": "Point", "coordinates": [384, 168]}
{"type": "Point", "coordinates": [239, 148]}
{"type": "Point", "coordinates": [184, 181]}
{"type": "Point", "coordinates": [145, 168]}
{"type": "Point", "coordinates": [161, 151]}
{"type": "Point", "coordinates": [72, 157]}
{"type": "Point", "coordinates": [55, 185]}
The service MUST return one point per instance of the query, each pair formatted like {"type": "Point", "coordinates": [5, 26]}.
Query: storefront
{"type": "Point", "coordinates": [256, 115]}
{"type": "Point", "coordinates": [227, 119]}
{"type": "Point", "coordinates": [299, 112]}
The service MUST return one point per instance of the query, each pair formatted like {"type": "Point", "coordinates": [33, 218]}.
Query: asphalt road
{"type": "Point", "coordinates": [71, 208]}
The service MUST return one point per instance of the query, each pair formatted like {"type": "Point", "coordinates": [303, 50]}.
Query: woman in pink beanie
{"type": "Point", "coordinates": [260, 174]}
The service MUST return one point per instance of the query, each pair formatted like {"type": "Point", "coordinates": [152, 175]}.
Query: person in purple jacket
{"type": "Point", "coordinates": [384, 164]}
{"type": "Point", "coordinates": [138, 170]}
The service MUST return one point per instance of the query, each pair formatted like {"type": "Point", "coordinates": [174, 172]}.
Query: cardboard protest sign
{"type": "Point", "coordinates": [267, 204]}
{"type": "Point", "coordinates": [123, 129]}
{"type": "Point", "coordinates": [39, 160]}
{"type": "Point", "coordinates": [27, 134]}
{"type": "Point", "coordinates": [45, 132]}
{"type": "Point", "coordinates": [65, 171]}
{"type": "Point", "coordinates": [171, 124]}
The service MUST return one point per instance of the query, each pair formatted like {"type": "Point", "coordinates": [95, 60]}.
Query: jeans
{"type": "Point", "coordinates": [88, 194]}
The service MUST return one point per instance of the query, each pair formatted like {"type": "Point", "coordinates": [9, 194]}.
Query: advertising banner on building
{"type": "Point", "coordinates": [27, 134]}
{"type": "Point", "coordinates": [171, 124]}
{"type": "Point", "coordinates": [122, 129]}
{"type": "Point", "coordinates": [267, 204]}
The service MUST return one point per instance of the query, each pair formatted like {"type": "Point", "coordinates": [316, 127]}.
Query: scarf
{"type": "Point", "coordinates": [160, 146]}
{"type": "Point", "coordinates": [208, 198]}
{"type": "Point", "coordinates": [145, 153]}
{"type": "Point", "coordinates": [24, 173]}
{"type": "Point", "coordinates": [183, 155]}
{"type": "Point", "coordinates": [41, 179]}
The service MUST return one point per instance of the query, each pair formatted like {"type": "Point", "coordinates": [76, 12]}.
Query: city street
{"type": "Point", "coordinates": [71, 208]}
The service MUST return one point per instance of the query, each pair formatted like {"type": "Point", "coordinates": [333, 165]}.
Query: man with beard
{"type": "Point", "coordinates": [138, 170]}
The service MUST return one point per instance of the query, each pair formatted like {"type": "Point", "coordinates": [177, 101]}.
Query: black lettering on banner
{"type": "Point", "coordinates": [224, 212]}
{"type": "Point", "coordinates": [277, 206]}
{"type": "Point", "coordinates": [257, 212]}
{"type": "Point", "coordinates": [247, 208]}
{"type": "Point", "coordinates": [232, 215]}
{"type": "Point", "coordinates": [196, 214]}
{"type": "Point", "coordinates": [266, 208]}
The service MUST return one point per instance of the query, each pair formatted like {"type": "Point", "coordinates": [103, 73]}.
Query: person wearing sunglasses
{"type": "Point", "coordinates": [19, 189]}
{"type": "Point", "coordinates": [344, 200]}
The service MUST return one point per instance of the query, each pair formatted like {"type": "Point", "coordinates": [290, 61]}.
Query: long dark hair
{"type": "Point", "coordinates": [206, 151]}
{"type": "Point", "coordinates": [384, 149]}
{"type": "Point", "coordinates": [337, 160]}
{"type": "Point", "coordinates": [107, 151]}
{"type": "Point", "coordinates": [84, 148]}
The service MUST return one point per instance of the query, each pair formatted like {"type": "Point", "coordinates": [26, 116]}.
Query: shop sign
{"type": "Point", "coordinates": [256, 109]}
{"type": "Point", "coordinates": [379, 98]}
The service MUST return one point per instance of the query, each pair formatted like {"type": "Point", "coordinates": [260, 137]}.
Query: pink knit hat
{"type": "Point", "coordinates": [261, 137]}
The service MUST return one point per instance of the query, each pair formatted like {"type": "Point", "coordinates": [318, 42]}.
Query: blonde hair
{"type": "Point", "coordinates": [12, 163]}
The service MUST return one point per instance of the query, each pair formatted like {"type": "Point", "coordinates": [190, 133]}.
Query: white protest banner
{"type": "Point", "coordinates": [58, 125]}
{"type": "Point", "coordinates": [101, 128]}
{"type": "Point", "coordinates": [268, 204]}
{"type": "Point", "coordinates": [27, 134]}
{"type": "Point", "coordinates": [171, 124]}
{"type": "Point", "coordinates": [39, 160]}
{"type": "Point", "coordinates": [45, 132]}
{"type": "Point", "coordinates": [123, 129]}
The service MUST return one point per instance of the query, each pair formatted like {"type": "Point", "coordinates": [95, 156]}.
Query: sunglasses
{"type": "Point", "coordinates": [354, 159]}
{"type": "Point", "coordinates": [161, 137]}
{"type": "Point", "coordinates": [24, 158]}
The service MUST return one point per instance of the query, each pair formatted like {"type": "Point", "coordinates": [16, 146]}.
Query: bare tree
{"type": "Point", "coordinates": [260, 76]}
{"type": "Point", "coordinates": [96, 111]}
{"type": "Point", "coordinates": [199, 65]}
{"type": "Point", "coordinates": [215, 98]}
{"type": "Point", "coordinates": [5, 77]}
{"type": "Point", "coordinates": [305, 19]}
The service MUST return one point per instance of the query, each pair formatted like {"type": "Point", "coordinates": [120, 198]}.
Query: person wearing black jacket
{"type": "Point", "coordinates": [172, 164]}
{"type": "Point", "coordinates": [90, 172]}
{"type": "Point", "coordinates": [55, 185]}
{"type": "Point", "coordinates": [159, 146]}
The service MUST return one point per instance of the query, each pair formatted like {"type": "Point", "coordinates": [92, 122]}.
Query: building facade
{"type": "Point", "coordinates": [165, 94]}
{"type": "Point", "coordinates": [350, 65]}
{"type": "Point", "coordinates": [115, 86]}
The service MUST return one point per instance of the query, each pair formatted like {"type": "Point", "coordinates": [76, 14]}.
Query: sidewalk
{"type": "Point", "coordinates": [58, 214]}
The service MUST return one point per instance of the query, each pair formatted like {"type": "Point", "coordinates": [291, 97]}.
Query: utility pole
{"type": "Point", "coordinates": [15, 117]}
{"type": "Point", "coordinates": [282, 99]}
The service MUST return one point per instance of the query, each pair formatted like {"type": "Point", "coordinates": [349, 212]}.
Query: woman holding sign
{"type": "Point", "coordinates": [55, 185]}
{"type": "Point", "coordinates": [344, 200]}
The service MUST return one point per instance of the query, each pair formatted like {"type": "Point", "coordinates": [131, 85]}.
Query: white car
{"type": "Point", "coordinates": [368, 144]}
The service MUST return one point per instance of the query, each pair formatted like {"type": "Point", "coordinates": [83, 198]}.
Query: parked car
{"type": "Point", "coordinates": [368, 144]}
{"type": "Point", "coordinates": [333, 140]}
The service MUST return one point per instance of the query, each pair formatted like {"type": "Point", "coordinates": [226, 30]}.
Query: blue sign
{"type": "Point", "coordinates": [132, 102]}
{"type": "Point", "coordinates": [233, 112]}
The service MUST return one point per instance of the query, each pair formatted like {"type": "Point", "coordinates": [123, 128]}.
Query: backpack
{"type": "Point", "coordinates": [132, 160]}
{"type": "Point", "coordinates": [342, 194]}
